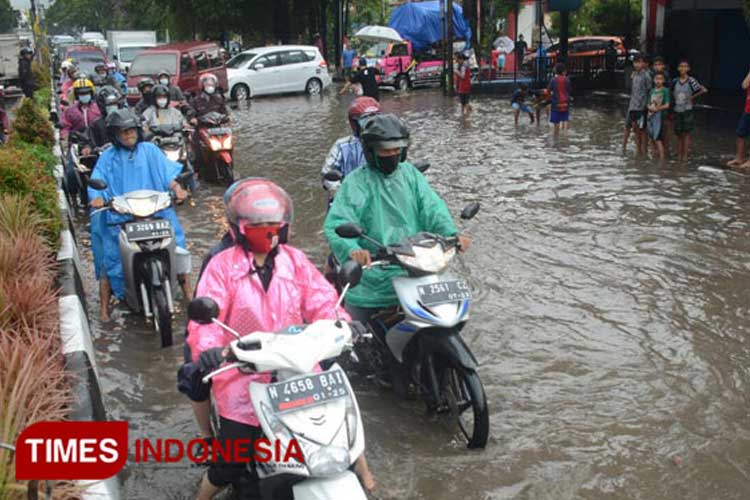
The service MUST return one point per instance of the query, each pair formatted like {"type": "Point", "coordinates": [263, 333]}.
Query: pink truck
{"type": "Point", "coordinates": [398, 67]}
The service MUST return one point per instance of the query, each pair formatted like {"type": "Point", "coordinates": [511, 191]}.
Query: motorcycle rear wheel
{"type": "Point", "coordinates": [162, 316]}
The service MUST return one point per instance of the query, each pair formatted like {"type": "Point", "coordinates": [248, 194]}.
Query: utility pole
{"type": "Point", "coordinates": [449, 24]}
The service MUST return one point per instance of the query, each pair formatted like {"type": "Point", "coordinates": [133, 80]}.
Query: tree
{"type": "Point", "coordinates": [603, 17]}
{"type": "Point", "coordinates": [8, 16]}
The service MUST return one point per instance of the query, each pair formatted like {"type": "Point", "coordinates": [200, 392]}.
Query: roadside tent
{"type": "Point", "coordinates": [420, 23]}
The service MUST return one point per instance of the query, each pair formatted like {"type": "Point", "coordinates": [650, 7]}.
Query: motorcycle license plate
{"type": "Point", "coordinates": [443, 292]}
{"type": "Point", "coordinates": [150, 230]}
{"type": "Point", "coordinates": [307, 391]}
{"type": "Point", "coordinates": [219, 131]}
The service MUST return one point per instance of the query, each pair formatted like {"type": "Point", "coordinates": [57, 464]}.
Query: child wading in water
{"type": "Point", "coordinates": [686, 90]}
{"type": "Point", "coordinates": [636, 119]}
{"type": "Point", "coordinates": [559, 88]}
{"type": "Point", "coordinates": [743, 130]}
{"type": "Point", "coordinates": [658, 104]}
{"type": "Point", "coordinates": [517, 101]}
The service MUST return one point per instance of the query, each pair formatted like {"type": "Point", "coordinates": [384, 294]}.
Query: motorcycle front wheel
{"type": "Point", "coordinates": [162, 316]}
{"type": "Point", "coordinates": [462, 397]}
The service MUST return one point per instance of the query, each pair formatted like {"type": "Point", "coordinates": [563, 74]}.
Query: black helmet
{"type": "Point", "coordinates": [385, 131]}
{"type": "Point", "coordinates": [122, 119]}
{"type": "Point", "coordinates": [163, 72]}
{"type": "Point", "coordinates": [100, 66]}
{"type": "Point", "coordinates": [145, 83]}
{"type": "Point", "coordinates": [99, 80]}
{"type": "Point", "coordinates": [26, 51]}
{"type": "Point", "coordinates": [108, 96]}
{"type": "Point", "coordinates": [160, 90]}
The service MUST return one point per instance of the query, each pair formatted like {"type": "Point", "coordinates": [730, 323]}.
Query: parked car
{"type": "Point", "coordinates": [185, 61]}
{"type": "Point", "coordinates": [86, 57]}
{"type": "Point", "coordinates": [583, 46]}
{"type": "Point", "coordinates": [277, 70]}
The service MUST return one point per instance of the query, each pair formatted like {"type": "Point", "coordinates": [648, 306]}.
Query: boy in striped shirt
{"type": "Point", "coordinates": [685, 89]}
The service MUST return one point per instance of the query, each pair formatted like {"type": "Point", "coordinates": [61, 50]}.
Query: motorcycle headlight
{"type": "Point", "coordinates": [143, 207]}
{"type": "Point", "coordinates": [327, 461]}
{"type": "Point", "coordinates": [173, 154]}
{"type": "Point", "coordinates": [228, 142]}
{"type": "Point", "coordinates": [429, 260]}
{"type": "Point", "coordinates": [214, 143]}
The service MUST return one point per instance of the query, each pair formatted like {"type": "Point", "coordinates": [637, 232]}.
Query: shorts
{"type": "Point", "coordinates": [636, 119]}
{"type": "Point", "coordinates": [743, 126]}
{"type": "Point", "coordinates": [521, 106]}
{"type": "Point", "coordinates": [464, 98]}
{"type": "Point", "coordinates": [501, 62]}
{"type": "Point", "coordinates": [683, 122]}
{"type": "Point", "coordinates": [656, 127]}
{"type": "Point", "coordinates": [222, 473]}
{"type": "Point", "coordinates": [556, 116]}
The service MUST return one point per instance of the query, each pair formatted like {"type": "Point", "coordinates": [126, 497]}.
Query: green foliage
{"type": "Point", "coordinates": [32, 125]}
{"type": "Point", "coordinates": [25, 170]}
{"type": "Point", "coordinates": [602, 17]}
{"type": "Point", "coordinates": [8, 16]}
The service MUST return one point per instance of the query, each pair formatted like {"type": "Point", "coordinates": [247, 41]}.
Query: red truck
{"type": "Point", "coordinates": [398, 67]}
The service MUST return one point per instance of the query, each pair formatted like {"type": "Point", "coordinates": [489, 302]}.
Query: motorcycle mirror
{"type": "Point", "coordinates": [351, 273]}
{"type": "Point", "coordinates": [422, 166]}
{"type": "Point", "coordinates": [333, 176]}
{"type": "Point", "coordinates": [98, 184]}
{"type": "Point", "coordinates": [349, 230]}
{"type": "Point", "coordinates": [203, 310]}
{"type": "Point", "coordinates": [470, 210]}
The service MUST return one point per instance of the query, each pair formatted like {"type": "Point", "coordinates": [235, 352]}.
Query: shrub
{"type": "Point", "coordinates": [32, 124]}
{"type": "Point", "coordinates": [41, 75]}
{"type": "Point", "coordinates": [42, 97]}
{"type": "Point", "coordinates": [41, 153]}
{"type": "Point", "coordinates": [22, 173]}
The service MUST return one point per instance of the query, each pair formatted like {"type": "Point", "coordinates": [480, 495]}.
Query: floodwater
{"type": "Point", "coordinates": [610, 315]}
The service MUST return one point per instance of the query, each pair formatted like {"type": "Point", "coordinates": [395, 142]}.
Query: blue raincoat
{"type": "Point", "coordinates": [123, 170]}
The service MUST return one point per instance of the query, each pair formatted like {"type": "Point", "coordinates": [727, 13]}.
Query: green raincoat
{"type": "Point", "coordinates": [389, 209]}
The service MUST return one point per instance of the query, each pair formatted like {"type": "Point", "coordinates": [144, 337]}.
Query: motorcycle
{"type": "Point", "coordinates": [419, 340]}
{"type": "Point", "coordinates": [171, 140]}
{"type": "Point", "coordinates": [82, 166]}
{"type": "Point", "coordinates": [318, 409]}
{"type": "Point", "coordinates": [151, 260]}
{"type": "Point", "coordinates": [216, 144]}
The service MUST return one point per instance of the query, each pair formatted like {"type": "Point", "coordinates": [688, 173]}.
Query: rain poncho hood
{"type": "Point", "coordinates": [421, 23]}
{"type": "Point", "coordinates": [145, 167]}
{"type": "Point", "coordinates": [297, 294]}
{"type": "Point", "coordinates": [389, 209]}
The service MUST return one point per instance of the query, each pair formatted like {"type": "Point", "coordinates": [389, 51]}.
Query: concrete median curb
{"type": "Point", "coordinates": [76, 334]}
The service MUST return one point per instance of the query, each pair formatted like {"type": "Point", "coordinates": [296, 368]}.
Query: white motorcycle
{"type": "Point", "coordinates": [318, 410]}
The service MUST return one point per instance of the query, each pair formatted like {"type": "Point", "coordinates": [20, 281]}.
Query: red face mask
{"type": "Point", "coordinates": [262, 239]}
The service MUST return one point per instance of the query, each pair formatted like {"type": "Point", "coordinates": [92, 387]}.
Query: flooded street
{"type": "Point", "coordinates": [610, 317]}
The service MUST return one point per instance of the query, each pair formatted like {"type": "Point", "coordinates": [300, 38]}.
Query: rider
{"type": "Point", "coordinates": [175, 94]}
{"type": "Point", "coordinates": [346, 153]}
{"type": "Point", "coordinates": [391, 200]}
{"type": "Point", "coordinates": [160, 113]}
{"type": "Point", "coordinates": [129, 165]}
{"type": "Point", "coordinates": [109, 100]}
{"type": "Point", "coordinates": [72, 75]}
{"type": "Point", "coordinates": [209, 99]}
{"type": "Point", "coordinates": [260, 284]}
{"type": "Point", "coordinates": [144, 87]}
{"type": "Point", "coordinates": [25, 72]}
{"type": "Point", "coordinates": [116, 78]}
{"type": "Point", "coordinates": [80, 115]}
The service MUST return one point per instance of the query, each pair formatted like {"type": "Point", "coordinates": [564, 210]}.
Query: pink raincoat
{"type": "Point", "coordinates": [298, 293]}
{"type": "Point", "coordinates": [77, 117]}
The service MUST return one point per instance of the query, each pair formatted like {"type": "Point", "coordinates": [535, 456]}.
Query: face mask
{"type": "Point", "coordinates": [84, 99]}
{"type": "Point", "coordinates": [111, 109]}
{"type": "Point", "coordinates": [209, 90]}
{"type": "Point", "coordinates": [164, 81]}
{"type": "Point", "coordinates": [162, 103]}
{"type": "Point", "coordinates": [388, 164]}
{"type": "Point", "coordinates": [103, 74]}
{"type": "Point", "coordinates": [262, 239]}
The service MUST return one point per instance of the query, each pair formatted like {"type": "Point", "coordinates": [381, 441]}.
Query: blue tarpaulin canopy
{"type": "Point", "coordinates": [420, 23]}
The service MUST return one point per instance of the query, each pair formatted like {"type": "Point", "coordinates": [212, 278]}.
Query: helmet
{"type": "Point", "coordinates": [383, 131]}
{"type": "Point", "coordinates": [163, 72]}
{"type": "Point", "coordinates": [26, 51]}
{"type": "Point", "coordinates": [108, 96]}
{"type": "Point", "coordinates": [67, 63]}
{"type": "Point", "coordinates": [82, 85]}
{"type": "Point", "coordinates": [362, 107]}
{"type": "Point", "coordinates": [206, 77]}
{"type": "Point", "coordinates": [122, 119]}
{"type": "Point", "coordinates": [160, 90]}
{"type": "Point", "coordinates": [145, 83]}
{"type": "Point", "coordinates": [256, 200]}
{"type": "Point", "coordinates": [100, 66]}
{"type": "Point", "coordinates": [111, 65]}
{"type": "Point", "coordinates": [98, 80]}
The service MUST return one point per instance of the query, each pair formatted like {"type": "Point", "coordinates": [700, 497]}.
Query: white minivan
{"type": "Point", "coordinates": [277, 69]}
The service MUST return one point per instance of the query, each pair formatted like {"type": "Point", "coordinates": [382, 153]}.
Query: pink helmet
{"type": "Point", "coordinates": [257, 200]}
{"type": "Point", "coordinates": [206, 77]}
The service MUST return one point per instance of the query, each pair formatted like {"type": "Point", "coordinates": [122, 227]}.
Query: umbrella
{"type": "Point", "coordinates": [378, 34]}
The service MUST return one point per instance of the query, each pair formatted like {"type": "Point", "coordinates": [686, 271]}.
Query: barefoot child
{"type": "Point", "coordinates": [559, 89]}
{"type": "Point", "coordinates": [517, 102]}
{"type": "Point", "coordinates": [686, 90]}
{"type": "Point", "coordinates": [636, 119]}
{"type": "Point", "coordinates": [743, 129]}
{"type": "Point", "coordinates": [658, 104]}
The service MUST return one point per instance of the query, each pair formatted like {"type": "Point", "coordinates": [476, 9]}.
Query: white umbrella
{"type": "Point", "coordinates": [378, 34]}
